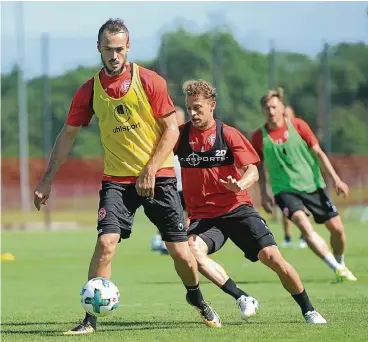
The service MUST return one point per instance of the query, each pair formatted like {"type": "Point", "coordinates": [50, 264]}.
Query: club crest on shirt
{"type": "Point", "coordinates": [211, 139]}
{"type": "Point", "coordinates": [125, 86]}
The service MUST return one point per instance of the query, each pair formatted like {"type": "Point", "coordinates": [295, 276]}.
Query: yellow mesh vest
{"type": "Point", "coordinates": [129, 131]}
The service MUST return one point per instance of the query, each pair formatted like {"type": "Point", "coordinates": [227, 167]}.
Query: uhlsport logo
{"type": "Point", "coordinates": [122, 114]}
{"type": "Point", "coordinates": [194, 159]}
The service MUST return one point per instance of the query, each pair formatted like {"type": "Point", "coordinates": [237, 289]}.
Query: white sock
{"type": "Point", "coordinates": [340, 259]}
{"type": "Point", "coordinates": [332, 262]}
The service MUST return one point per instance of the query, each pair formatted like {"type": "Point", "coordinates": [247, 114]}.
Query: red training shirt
{"type": "Point", "coordinates": [81, 113]}
{"type": "Point", "coordinates": [280, 134]}
{"type": "Point", "coordinates": [206, 197]}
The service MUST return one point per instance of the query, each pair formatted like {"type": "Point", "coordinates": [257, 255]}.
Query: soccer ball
{"type": "Point", "coordinates": [156, 242]}
{"type": "Point", "coordinates": [100, 297]}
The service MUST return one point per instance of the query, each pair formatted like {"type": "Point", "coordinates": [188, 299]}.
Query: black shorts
{"type": "Point", "coordinates": [119, 203]}
{"type": "Point", "coordinates": [182, 199]}
{"type": "Point", "coordinates": [318, 204]}
{"type": "Point", "coordinates": [243, 226]}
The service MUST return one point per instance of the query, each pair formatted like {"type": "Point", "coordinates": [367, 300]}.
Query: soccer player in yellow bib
{"type": "Point", "coordinates": [138, 130]}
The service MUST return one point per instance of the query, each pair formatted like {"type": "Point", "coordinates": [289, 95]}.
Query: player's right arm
{"type": "Point", "coordinates": [267, 200]}
{"type": "Point", "coordinates": [59, 154]}
{"type": "Point", "coordinates": [80, 114]}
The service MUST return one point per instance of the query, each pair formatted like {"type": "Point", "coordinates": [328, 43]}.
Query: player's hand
{"type": "Point", "coordinates": [145, 183]}
{"type": "Point", "coordinates": [341, 188]}
{"type": "Point", "coordinates": [267, 203]}
{"type": "Point", "coordinates": [232, 184]}
{"type": "Point", "coordinates": [41, 193]}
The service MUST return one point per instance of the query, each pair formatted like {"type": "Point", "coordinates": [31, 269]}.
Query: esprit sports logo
{"type": "Point", "coordinates": [194, 159]}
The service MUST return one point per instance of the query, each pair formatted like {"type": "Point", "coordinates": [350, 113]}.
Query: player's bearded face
{"type": "Point", "coordinates": [274, 110]}
{"type": "Point", "coordinates": [200, 111]}
{"type": "Point", "coordinates": [114, 48]}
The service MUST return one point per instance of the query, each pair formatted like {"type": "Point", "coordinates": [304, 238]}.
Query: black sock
{"type": "Point", "coordinates": [230, 288]}
{"type": "Point", "coordinates": [90, 319]}
{"type": "Point", "coordinates": [194, 295]}
{"type": "Point", "coordinates": [287, 238]}
{"type": "Point", "coordinates": [303, 301]}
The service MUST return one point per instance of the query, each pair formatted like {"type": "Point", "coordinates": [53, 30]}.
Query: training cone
{"type": "Point", "coordinates": [7, 257]}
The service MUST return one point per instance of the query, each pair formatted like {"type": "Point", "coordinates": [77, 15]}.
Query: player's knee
{"type": "Point", "coordinates": [107, 244]}
{"type": "Point", "coordinates": [337, 228]}
{"type": "Point", "coordinates": [301, 220]}
{"type": "Point", "coordinates": [299, 216]}
{"type": "Point", "coordinates": [179, 251]}
{"type": "Point", "coordinates": [196, 248]}
{"type": "Point", "coordinates": [271, 257]}
{"type": "Point", "coordinates": [193, 244]}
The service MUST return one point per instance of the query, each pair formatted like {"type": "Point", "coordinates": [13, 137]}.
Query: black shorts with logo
{"type": "Point", "coordinates": [119, 203]}
{"type": "Point", "coordinates": [317, 203]}
{"type": "Point", "coordinates": [243, 226]}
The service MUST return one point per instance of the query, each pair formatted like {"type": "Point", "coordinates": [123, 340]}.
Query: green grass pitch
{"type": "Point", "coordinates": [40, 292]}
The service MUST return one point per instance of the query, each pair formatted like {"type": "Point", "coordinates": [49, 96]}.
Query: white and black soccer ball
{"type": "Point", "coordinates": [100, 297]}
{"type": "Point", "coordinates": [156, 242]}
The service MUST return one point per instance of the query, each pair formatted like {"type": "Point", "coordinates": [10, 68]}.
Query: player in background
{"type": "Point", "coordinates": [286, 223]}
{"type": "Point", "coordinates": [291, 152]}
{"type": "Point", "coordinates": [138, 130]}
{"type": "Point", "coordinates": [218, 165]}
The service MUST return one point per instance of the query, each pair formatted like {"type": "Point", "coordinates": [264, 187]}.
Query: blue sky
{"type": "Point", "coordinates": [294, 26]}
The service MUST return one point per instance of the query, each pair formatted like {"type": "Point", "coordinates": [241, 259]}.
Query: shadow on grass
{"type": "Point", "coordinates": [104, 327]}
{"type": "Point", "coordinates": [15, 324]}
{"type": "Point", "coordinates": [264, 323]}
{"type": "Point", "coordinates": [241, 282]}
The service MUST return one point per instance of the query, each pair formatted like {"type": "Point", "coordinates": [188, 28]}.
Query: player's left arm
{"type": "Point", "coordinates": [246, 159]}
{"type": "Point", "coordinates": [340, 186]}
{"type": "Point", "coordinates": [308, 136]}
{"type": "Point", "coordinates": [250, 176]}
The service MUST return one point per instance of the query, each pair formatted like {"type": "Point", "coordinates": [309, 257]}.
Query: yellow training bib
{"type": "Point", "coordinates": [129, 131]}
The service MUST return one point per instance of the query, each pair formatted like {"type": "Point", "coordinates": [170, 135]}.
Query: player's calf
{"type": "Point", "coordinates": [271, 257]}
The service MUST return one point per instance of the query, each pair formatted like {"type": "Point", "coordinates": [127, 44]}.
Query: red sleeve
{"type": "Point", "coordinates": [80, 112]}
{"type": "Point", "coordinates": [156, 89]}
{"type": "Point", "coordinates": [241, 148]}
{"type": "Point", "coordinates": [305, 132]}
{"type": "Point", "coordinates": [257, 142]}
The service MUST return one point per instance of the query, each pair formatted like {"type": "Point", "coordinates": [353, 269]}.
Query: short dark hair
{"type": "Point", "coordinates": [113, 26]}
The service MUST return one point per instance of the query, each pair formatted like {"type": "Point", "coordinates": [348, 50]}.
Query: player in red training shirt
{"type": "Point", "coordinates": [286, 223]}
{"type": "Point", "coordinates": [138, 131]}
{"type": "Point", "coordinates": [292, 155]}
{"type": "Point", "coordinates": [218, 165]}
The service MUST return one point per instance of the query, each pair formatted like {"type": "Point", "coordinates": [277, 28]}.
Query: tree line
{"type": "Point", "coordinates": [242, 77]}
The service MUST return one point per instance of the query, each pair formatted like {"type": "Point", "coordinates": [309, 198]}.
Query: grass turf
{"type": "Point", "coordinates": [40, 292]}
